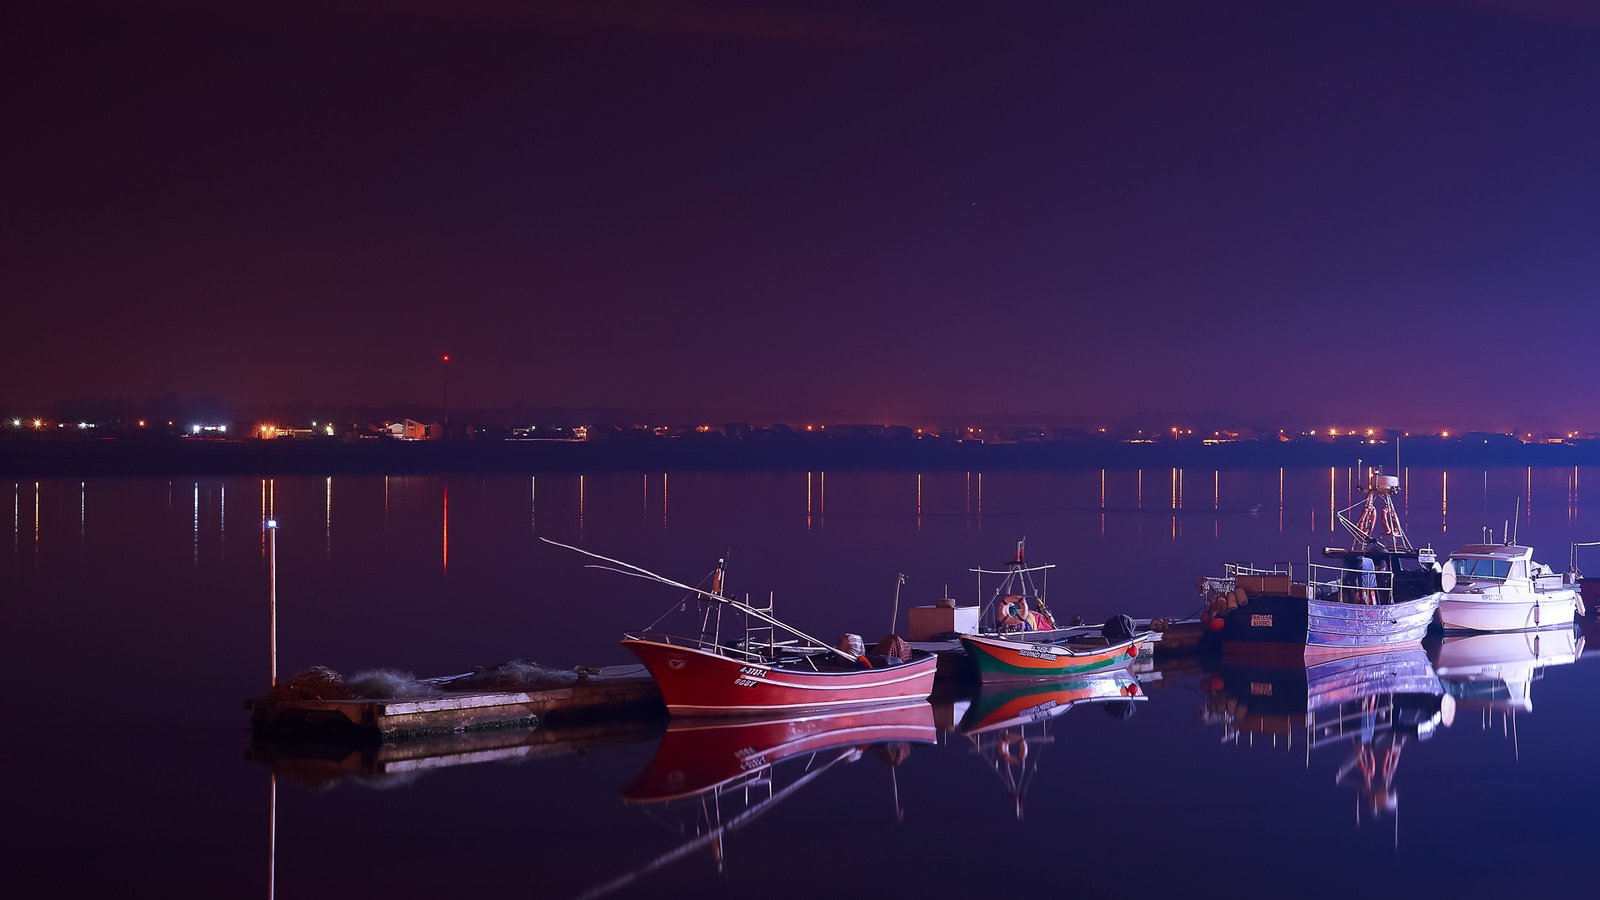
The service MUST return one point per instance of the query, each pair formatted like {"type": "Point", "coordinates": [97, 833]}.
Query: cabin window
{"type": "Point", "coordinates": [1470, 568]}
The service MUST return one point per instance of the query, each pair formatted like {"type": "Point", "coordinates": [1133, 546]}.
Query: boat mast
{"type": "Point", "coordinates": [1377, 510]}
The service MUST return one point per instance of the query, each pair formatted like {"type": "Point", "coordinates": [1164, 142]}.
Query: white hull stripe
{"type": "Point", "coordinates": [687, 708]}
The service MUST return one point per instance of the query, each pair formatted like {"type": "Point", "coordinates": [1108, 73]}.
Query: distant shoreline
{"type": "Point", "coordinates": [106, 458]}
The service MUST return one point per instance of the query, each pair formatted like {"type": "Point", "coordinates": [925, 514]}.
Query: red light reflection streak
{"type": "Point", "coordinates": [327, 522]}
{"type": "Point", "coordinates": [808, 501]}
{"type": "Point", "coordinates": [1102, 502]}
{"type": "Point", "coordinates": [663, 501]}
{"type": "Point", "coordinates": [919, 501]}
{"type": "Point", "coordinates": [1280, 500]}
{"type": "Point", "coordinates": [582, 484]}
{"type": "Point", "coordinates": [822, 499]}
{"type": "Point", "coordinates": [444, 530]}
{"type": "Point", "coordinates": [264, 516]}
{"type": "Point", "coordinates": [1333, 506]}
{"type": "Point", "coordinates": [533, 503]}
{"type": "Point", "coordinates": [1444, 503]}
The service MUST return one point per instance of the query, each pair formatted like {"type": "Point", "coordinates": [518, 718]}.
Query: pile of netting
{"type": "Point", "coordinates": [515, 675]}
{"type": "Point", "coordinates": [323, 683]}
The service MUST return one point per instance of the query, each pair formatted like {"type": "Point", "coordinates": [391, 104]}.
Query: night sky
{"type": "Point", "coordinates": [1363, 213]}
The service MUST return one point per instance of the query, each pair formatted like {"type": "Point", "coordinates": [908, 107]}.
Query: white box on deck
{"type": "Point", "coordinates": [926, 623]}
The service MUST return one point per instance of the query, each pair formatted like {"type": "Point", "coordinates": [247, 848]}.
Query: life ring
{"type": "Point", "coordinates": [1013, 748]}
{"type": "Point", "coordinates": [1013, 611]}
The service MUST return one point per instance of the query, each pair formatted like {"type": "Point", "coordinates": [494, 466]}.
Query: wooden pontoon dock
{"type": "Point", "coordinates": [613, 691]}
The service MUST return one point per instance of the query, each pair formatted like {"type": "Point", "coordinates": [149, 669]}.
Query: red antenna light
{"type": "Point", "coordinates": [447, 357]}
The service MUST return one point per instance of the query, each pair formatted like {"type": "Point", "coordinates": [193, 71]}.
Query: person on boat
{"type": "Point", "coordinates": [1369, 582]}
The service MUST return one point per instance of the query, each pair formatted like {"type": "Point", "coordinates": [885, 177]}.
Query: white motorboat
{"type": "Point", "coordinates": [1499, 587]}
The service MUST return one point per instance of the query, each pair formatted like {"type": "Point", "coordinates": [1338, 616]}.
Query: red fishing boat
{"type": "Point", "coordinates": [724, 673]}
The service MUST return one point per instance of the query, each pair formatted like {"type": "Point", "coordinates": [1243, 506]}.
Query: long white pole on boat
{"type": "Point", "coordinates": [640, 572]}
{"type": "Point", "coordinates": [272, 595]}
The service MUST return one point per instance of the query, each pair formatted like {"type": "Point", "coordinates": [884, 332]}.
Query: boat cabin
{"type": "Point", "coordinates": [1493, 565]}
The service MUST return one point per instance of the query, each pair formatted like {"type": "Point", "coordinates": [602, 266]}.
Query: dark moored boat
{"type": "Point", "coordinates": [1380, 594]}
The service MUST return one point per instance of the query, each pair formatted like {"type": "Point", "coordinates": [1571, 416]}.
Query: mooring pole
{"type": "Point", "coordinates": [272, 595]}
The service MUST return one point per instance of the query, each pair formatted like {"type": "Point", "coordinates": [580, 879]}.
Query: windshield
{"type": "Point", "coordinates": [1469, 567]}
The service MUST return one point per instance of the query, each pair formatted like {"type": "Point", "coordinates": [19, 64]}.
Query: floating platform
{"type": "Point", "coordinates": [613, 691]}
{"type": "Point", "coordinates": [325, 762]}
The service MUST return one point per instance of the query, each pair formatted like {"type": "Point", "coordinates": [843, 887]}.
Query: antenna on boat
{"type": "Point", "coordinates": [894, 620]}
{"type": "Point", "coordinates": [1516, 520]}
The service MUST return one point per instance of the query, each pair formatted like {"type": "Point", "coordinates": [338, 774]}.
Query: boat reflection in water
{"type": "Point", "coordinates": [1494, 673]}
{"type": "Point", "coordinates": [1009, 725]}
{"type": "Point", "coordinates": [327, 761]}
{"type": "Point", "coordinates": [1368, 707]}
{"type": "Point", "coordinates": [723, 774]}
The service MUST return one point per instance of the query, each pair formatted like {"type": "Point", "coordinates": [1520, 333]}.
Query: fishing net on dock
{"type": "Point", "coordinates": [315, 683]}
{"type": "Point", "coordinates": [391, 684]}
{"type": "Point", "coordinates": [515, 675]}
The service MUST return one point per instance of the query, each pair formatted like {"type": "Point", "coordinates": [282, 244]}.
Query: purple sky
{"type": "Point", "coordinates": [1364, 213]}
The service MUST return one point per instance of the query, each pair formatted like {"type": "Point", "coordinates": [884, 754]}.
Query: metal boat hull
{"type": "Point", "coordinates": [700, 683]}
{"type": "Point", "coordinates": [1276, 624]}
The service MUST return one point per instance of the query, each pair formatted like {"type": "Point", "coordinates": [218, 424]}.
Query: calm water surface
{"type": "Point", "coordinates": [135, 624]}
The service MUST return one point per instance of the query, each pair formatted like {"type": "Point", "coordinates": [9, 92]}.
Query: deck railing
{"type": "Point", "coordinates": [1321, 581]}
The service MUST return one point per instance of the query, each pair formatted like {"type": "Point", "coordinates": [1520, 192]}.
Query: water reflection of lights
{"type": "Point", "coordinates": [327, 522]}
{"type": "Point", "coordinates": [1444, 503]}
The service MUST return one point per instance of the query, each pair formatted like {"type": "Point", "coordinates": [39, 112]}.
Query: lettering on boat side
{"type": "Point", "coordinates": [1260, 621]}
{"type": "Point", "coordinates": [753, 671]}
{"type": "Point", "coordinates": [1039, 709]}
{"type": "Point", "coordinates": [745, 682]}
{"type": "Point", "coordinates": [1261, 689]}
{"type": "Point", "coordinates": [1037, 653]}
{"type": "Point", "coordinates": [752, 762]}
